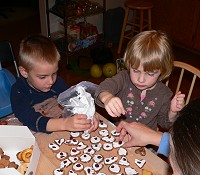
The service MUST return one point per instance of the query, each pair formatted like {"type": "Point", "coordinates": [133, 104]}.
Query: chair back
{"type": "Point", "coordinates": [183, 78]}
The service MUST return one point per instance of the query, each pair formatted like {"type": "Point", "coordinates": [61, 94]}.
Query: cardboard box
{"type": "Point", "coordinates": [14, 139]}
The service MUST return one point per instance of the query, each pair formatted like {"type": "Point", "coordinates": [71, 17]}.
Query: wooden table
{"type": "Point", "coordinates": [48, 161]}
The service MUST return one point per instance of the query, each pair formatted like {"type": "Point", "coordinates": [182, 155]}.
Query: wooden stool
{"type": "Point", "coordinates": [139, 21]}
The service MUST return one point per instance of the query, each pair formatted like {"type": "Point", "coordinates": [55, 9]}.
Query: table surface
{"type": "Point", "coordinates": [49, 163]}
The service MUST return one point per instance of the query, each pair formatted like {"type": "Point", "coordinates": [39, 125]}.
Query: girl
{"type": "Point", "coordinates": [138, 93]}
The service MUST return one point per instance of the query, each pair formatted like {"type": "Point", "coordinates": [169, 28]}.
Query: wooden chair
{"type": "Point", "coordinates": [186, 79]}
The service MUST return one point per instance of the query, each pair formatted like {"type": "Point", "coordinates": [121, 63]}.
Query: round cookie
{"type": "Point", "coordinates": [102, 124]}
{"type": "Point", "coordinates": [58, 171]}
{"type": "Point", "coordinates": [117, 144]}
{"type": "Point", "coordinates": [85, 136]}
{"type": "Point", "coordinates": [89, 150]}
{"type": "Point", "coordinates": [78, 167]}
{"type": "Point", "coordinates": [85, 157]}
{"type": "Point", "coordinates": [95, 139]}
{"type": "Point", "coordinates": [74, 152]}
{"type": "Point", "coordinates": [75, 134]}
{"type": "Point", "coordinates": [97, 166]}
{"type": "Point", "coordinates": [115, 133]}
{"type": "Point", "coordinates": [98, 158]}
{"type": "Point", "coordinates": [81, 146]}
{"type": "Point", "coordinates": [96, 147]}
{"type": "Point", "coordinates": [61, 155]}
{"type": "Point", "coordinates": [114, 168]}
{"type": "Point", "coordinates": [107, 146]}
{"type": "Point", "coordinates": [122, 151]}
{"type": "Point", "coordinates": [104, 132]}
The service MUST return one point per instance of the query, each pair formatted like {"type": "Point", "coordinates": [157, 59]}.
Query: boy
{"type": "Point", "coordinates": [38, 66]}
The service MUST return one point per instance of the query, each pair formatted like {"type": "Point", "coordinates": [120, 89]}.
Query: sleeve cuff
{"type": "Point", "coordinates": [164, 147]}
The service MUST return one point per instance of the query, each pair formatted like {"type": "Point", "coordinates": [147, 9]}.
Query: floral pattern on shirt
{"type": "Point", "coordinates": [131, 102]}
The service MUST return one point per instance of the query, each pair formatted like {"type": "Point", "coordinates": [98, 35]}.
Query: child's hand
{"type": "Point", "coordinates": [114, 107]}
{"type": "Point", "coordinates": [95, 123]}
{"type": "Point", "coordinates": [78, 122]}
{"type": "Point", "coordinates": [177, 102]}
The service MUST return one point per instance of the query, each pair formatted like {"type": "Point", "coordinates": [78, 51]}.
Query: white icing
{"type": "Point", "coordinates": [73, 159]}
{"type": "Point", "coordinates": [89, 170]}
{"type": "Point", "coordinates": [108, 139]}
{"type": "Point", "coordinates": [81, 145]}
{"type": "Point", "coordinates": [102, 124]}
{"type": "Point", "coordinates": [95, 139]}
{"type": "Point", "coordinates": [97, 166]}
{"type": "Point", "coordinates": [59, 142]}
{"type": "Point", "coordinates": [107, 146]}
{"type": "Point", "coordinates": [97, 147]}
{"type": "Point", "coordinates": [74, 141]}
{"type": "Point", "coordinates": [77, 166]}
{"type": "Point", "coordinates": [65, 163]}
{"type": "Point", "coordinates": [75, 134]}
{"type": "Point", "coordinates": [85, 157]}
{"type": "Point", "coordinates": [130, 171]}
{"type": "Point", "coordinates": [97, 158]}
{"type": "Point", "coordinates": [124, 161]}
{"type": "Point", "coordinates": [117, 144]}
{"type": "Point", "coordinates": [140, 163]}
{"type": "Point", "coordinates": [114, 168]}
{"type": "Point", "coordinates": [100, 173]}
{"type": "Point", "coordinates": [58, 171]}
{"type": "Point", "coordinates": [115, 133]}
{"type": "Point", "coordinates": [110, 160]}
{"type": "Point", "coordinates": [103, 132]}
{"type": "Point", "coordinates": [61, 155]}
{"type": "Point", "coordinates": [122, 151]}
{"type": "Point", "coordinates": [74, 151]}
{"type": "Point", "coordinates": [54, 146]}
{"type": "Point", "coordinates": [89, 150]}
{"type": "Point", "coordinates": [85, 136]}
{"type": "Point", "coordinates": [71, 172]}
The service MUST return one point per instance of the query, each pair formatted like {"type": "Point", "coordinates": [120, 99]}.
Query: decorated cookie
{"type": "Point", "coordinates": [89, 150]}
{"type": "Point", "coordinates": [74, 152]}
{"type": "Point", "coordinates": [109, 139]}
{"type": "Point", "coordinates": [117, 144]}
{"type": "Point", "coordinates": [102, 124]}
{"type": "Point", "coordinates": [65, 163]}
{"type": "Point", "coordinates": [75, 134]}
{"type": "Point", "coordinates": [78, 167]}
{"type": "Point", "coordinates": [124, 161]}
{"type": "Point", "coordinates": [74, 142]}
{"type": "Point", "coordinates": [85, 136]}
{"type": "Point", "coordinates": [71, 172]}
{"type": "Point", "coordinates": [122, 151]}
{"type": "Point", "coordinates": [73, 159]}
{"type": "Point", "coordinates": [59, 142]}
{"type": "Point", "coordinates": [114, 168]}
{"type": "Point", "coordinates": [98, 158]}
{"type": "Point", "coordinates": [54, 147]}
{"type": "Point", "coordinates": [140, 163]}
{"type": "Point", "coordinates": [97, 146]}
{"type": "Point", "coordinates": [61, 155]}
{"type": "Point", "coordinates": [129, 170]}
{"type": "Point", "coordinates": [81, 146]}
{"type": "Point", "coordinates": [95, 139]}
{"type": "Point", "coordinates": [104, 132]}
{"type": "Point", "coordinates": [85, 157]}
{"type": "Point", "coordinates": [89, 170]}
{"type": "Point", "coordinates": [97, 166]}
{"type": "Point", "coordinates": [115, 133]}
{"type": "Point", "coordinates": [110, 160]}
{"type": "Point", "coordinates": [107, 146]}
{"type": "Point", "coordinates": [58, 171]}
{"type": "Point", "coordinates": [67, 142]}
{"type": "Point", "coordinates": [100, 173]}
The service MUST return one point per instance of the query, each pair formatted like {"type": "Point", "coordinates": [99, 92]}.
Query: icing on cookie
{"type": "Point", "coordinates": [117, 144]}
{"type": "Point", "coordinates": [95, 139]}
{"type": "Point", "coordinates": [110, 160]}
{"type": "Point", "coordinates": [78, 167]}
{"type": "Point", "coordinates": [65, 163]}
{"type": "Point", "coordinates": [140, 163]}
{"type": "Point", "coordinates": [89, 170]}
{"type": "Point", "coordinates": [101, 173]}
{"type": "Point", "coordinates": [75, 134]}
{"type": "Point", "coordinates": [85, 157]}
{"type": "Point", "coordinates": [115, 133]}
{"type": "Point", "coordinates": [85, 136]}
{"type": "Point", "coordinates": [129, 170]}
{"type": "Point", "coordinates": [114, 168]}
{"type": "Point", "coordinates": [96, 147]}
{"type": "Point", "coordinates": [54, 147]}
{"type": "Point", "coordinates": [107, 146]}
{"type": "Point", "coordinates": [97, 166]}
{"type": "Point", "coordinates": [81, 145]}
{"type": "Point", "coordinates": [74, 151]}
{"type": "Point", "coordinates": [122, 151]}
{"type": "Point", "coordinates": [61, 155]}
{"type": "Point", "coordinates": [73, 159]}
{"type": "Point", "coordinates": [89, 150]}
{"type": "Point", "coordinates": [124, 161]}
{"type": "Point", "coordinates": [103, 132]}
{"type": "Point", "coordinates": [59, 142]}
{"type": "Point", "coordinates": [74, 141]}
{"type": "Point", "coordinates": [102, 124]}
{"type": "Point", "coordinates": [58, 171]}
{"type": "Point", "coordinates": [67, 142]}
{"type": "Point", "coordinates": [71, 172]}
{"type": "Point", "coordinates": [97, 158]}
{"type": "Point", "coordinates": [109, 139]}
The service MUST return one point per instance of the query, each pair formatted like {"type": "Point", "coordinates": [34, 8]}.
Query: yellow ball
{"type": "Point", "coordinates": [109, 69]}
{"type": "Point", "coordinates": [95, 71]}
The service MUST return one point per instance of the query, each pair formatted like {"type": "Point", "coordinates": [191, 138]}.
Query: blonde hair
{"type": "Point", "coordinates": [37, 48]}
{"type": "Point", "coordinates": [152, 50]}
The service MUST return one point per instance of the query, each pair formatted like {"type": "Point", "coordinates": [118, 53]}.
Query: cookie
{"type": "Point", "coordinates": [129, 170]}
{"type": "Point", "coordinates": [97, 166]}
{"type": "Point", "coordinates": [140, 163]}
{"type": "Point", "coordinates": [71, 172]}
{"type": "Point", "coordinates": [122, 152]}
{"type": "Point", "coordinates": [65, 163]}
{"type": "Point", "coordinates": [117, 144]}
{"type": "Point", "coordinates": [114, 168]}
{"type": "Point", "coordinates": [85, 157]}
{"type": "Point", "coordinates": [95, 139]}
{"type": "Point", "coordinates": [89, 170]}
{"type": "Point", "coordinates": [73, 159]}
{"type": "Point", "coordinates": [61, 155]}
{"type": "Point", "coordinates": [54, 147]}
{"type": "Point", "coordinates": [89, 150]}
{"type": "Point", "coordinates": [115, 133]}
{"type": "Point", "coordinates": [141, 151]}
{"type": "Point", "coordinates": [85, 136]}
{"type": "Point", "coordinates": [103, 132]}
{"type": "Point", "coordinates": [108, 139]}
{"type": "Point", "coordinates": [59, 142]}
{"type": "Point", "coordinates": [96, 147]}
{"type": "Point", "coordinates": [124, 161]}
{"type": "Point", "coordinates": [81, 146]}
{"type": "Point", "coordinates": [110, 160]}
{"type": "Point", "coordinates": [102, 124]}
{"type": "Point", "coordinates": [74, 152]}
{"type": "Point", "coordinates": [107, 146]}
{"type": "Point", "coordinates": [98, 158]}
{"type": "Point", "coordinates": [58, 171]}
{"type": "Point", "coordinates": [75, 134]}
{"type": "Point", "coordinates": [78, 167]}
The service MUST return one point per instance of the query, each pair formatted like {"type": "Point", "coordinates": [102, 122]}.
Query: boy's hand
{"type": "Point", "coordinates": [178, 102]}
{"type": "Point", "coordinates": [95, 125]}
{"type": "Point", "coordinates": [114, 107]}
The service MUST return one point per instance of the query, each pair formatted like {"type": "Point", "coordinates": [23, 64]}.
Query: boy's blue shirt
{"type": "Point", "coordinates": [164, 147]}
{"type": "Point", "coordinates": [24, 97]}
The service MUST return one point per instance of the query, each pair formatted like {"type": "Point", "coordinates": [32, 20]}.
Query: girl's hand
{"type": "Point", "coordinates": [178, 102]}
{"type": "Point", "coordinates": [77, 122]}
{"type": "Point", "coordinates": [114, 107]}
{"type": "Point", "coordinates": [95, 125]}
